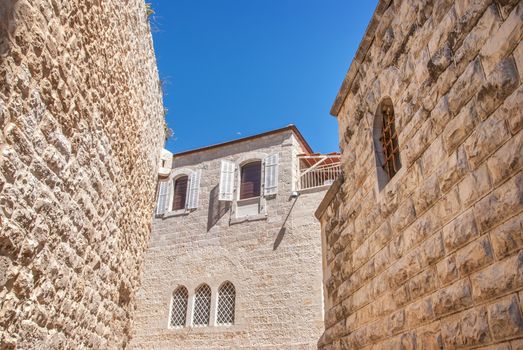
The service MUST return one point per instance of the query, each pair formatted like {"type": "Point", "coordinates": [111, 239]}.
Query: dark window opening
{"type": "Point", "coordinates": [180, 193]}
{"type": "Point", "coordinates": [389, 141]}
{"type": "Point", "coordinates": [250, 185]}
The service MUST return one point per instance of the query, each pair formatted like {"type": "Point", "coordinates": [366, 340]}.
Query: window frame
{"type": "Point", "coordinates": [172, 305]}
{"type": "Point", "coordinates": [387, 159]}
{"type": "Point", "coordinates": [240, 179]}
{"type": "Point", "coordinates": [195, 306]}
{"type": "Point", "coordinates": [218, 304]}
{"type": "Point", "coordinates": [184, 200]}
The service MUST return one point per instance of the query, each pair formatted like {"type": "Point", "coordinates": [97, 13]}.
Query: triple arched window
{"type": "Point", "coordinates": [201, 306]}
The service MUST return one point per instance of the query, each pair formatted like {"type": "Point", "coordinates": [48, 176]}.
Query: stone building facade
{"type": "Point", "coordinates": [429, 256]}
{"type": "Point", "coordinates": [82, 126]}
{"type": "Point", "coordinates": [267, 249]}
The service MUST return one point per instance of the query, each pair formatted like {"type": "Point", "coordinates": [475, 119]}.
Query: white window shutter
{"type": "Point", "coordinates": [163, 197]}
{"type": "Point", "coordinates": [193, 190]}
{"type": "Point", "coordinates": [271, 175]}
{"type": "Point", "coordinates": [226, 181]}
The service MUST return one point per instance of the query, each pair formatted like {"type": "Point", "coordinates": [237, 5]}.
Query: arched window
{"type": "Point", "coordinates": [180, 192]}
{"type": "Point", "coordinates": [250, 180]}
{"type": "Point", "coordinates": [202, 306]}
{"type": "Point", "coordinates": [386, 143]}
{"type": "Point", "coordinates": [226, 304]}
{"type": "Point", "coordinates": [179, 307]}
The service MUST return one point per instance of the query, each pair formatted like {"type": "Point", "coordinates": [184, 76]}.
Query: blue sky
{"type": "Point", "coordinates": [234, 68]}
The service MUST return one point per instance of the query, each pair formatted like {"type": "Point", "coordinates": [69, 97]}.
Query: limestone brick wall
{"type": "Point", "coordinates": [274, 265]}
{"type": "Point", "coordinates": [434, 260]}
{"type": "Point", "coordinates": [82, 127]}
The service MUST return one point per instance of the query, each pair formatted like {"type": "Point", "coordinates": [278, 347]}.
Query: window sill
{"type": "Point", "coordinates": [175, 213]}
{"type": "Point", "coordinates": [248, 218]}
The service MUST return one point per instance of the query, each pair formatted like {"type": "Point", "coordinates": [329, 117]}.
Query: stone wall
{"type": "Point", "coordinates": [433, 260]}
{"type": "Point", "coordinates": [82, 127]}
{"type": "Point", "coordinates": [275, 265]}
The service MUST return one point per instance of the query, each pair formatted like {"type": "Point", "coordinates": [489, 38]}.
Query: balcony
{"type": "Point", "coordinates": [317, 170]}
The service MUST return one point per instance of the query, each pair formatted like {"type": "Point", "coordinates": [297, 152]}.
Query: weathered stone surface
{"type": "Point", "coordinates": [455, 205]}
{"type": "Point", "coordinates": [474, 256]}
{"type": "Point", "coordinates": [81, 129]}
{"type": "Point", "coordinates": [501, 203]}
{"type": "Point", "coordinates": [499, 85]}
{"type": "Point", "coordinates": [508, 237]}
{"type": "Point", "coordinates": [506, 38]}
{"type": "Point", "coordinates": [457, 296]}
{"type": "Point", "coordinates": [468, 328]}
{"type": "Point", "coordinates": [487, 137]}
{"type": "Point", "coordinates": [460, 231]}
{"type": "Point", "coordinates": [505, 318]}
{"type": "Point", "coordinates": [447, 270]}
{"type": "Point", "coordinates": [474, 185]}
{"type": "Point", "coordinates": [499, 278]}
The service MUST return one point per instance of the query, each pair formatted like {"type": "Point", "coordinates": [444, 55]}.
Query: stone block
{"type": "Point", "coordinates": [501, 82]}
{"type": "Point", "coordinates": [423, 283]}
{"type": "Point", "coordinates": [507, 160]}
{"type": "Point", "coordinates": [447, 207]}
{"type": "Point", "coordinates": [460, 231]}
{"type": "Point", "coordinates": [474, 186]}
{"type": "Point", "coordinates": [402, 270]}
{"type": "Point", "coordinates": [505, 318]}
{"type": "Point", "coordinates": [474, 255]}
{"type": "Point", "coordinates": [452, 170]}
{"type": "Point", "coordinates": [486, 26]}
{"type": "Point", "coordinates": [488, 136]}
{"type": "Point", "coordinates": [447, 270]}
{"type": "Point", "coordinates": [466, 329]}
{"type": "Point", "coordinates": [504, 40]}
{"type": "Point", "coordinates": [500, 278]}
{"type": "Point", "coordinates": [419, 312]}
{"type": "Point", "coordinates": [466, 86]}
{"type": "Point", "coordinates": [432, 250]}
{"type": "Point", "coordinates": [511, 109]}
{"type": "Point", "coordinates": [403, 216]}
{"type": "Point", "coordinates": [426, 195]}
{"type": "Point", "coordinates": [455, 297]}
{"type": "Point", "coordinates": [460, 127]}
{"type": "Point", "coordinates": [508, 237]}
{"type": "Point", "coordinates": [503, 202]}
{"type": "Point", "coordinates": [429, 337]}
{"type": "Point", "coordinates": [432, 158]}
{"type": "Point", "coordinates": [396, 322]}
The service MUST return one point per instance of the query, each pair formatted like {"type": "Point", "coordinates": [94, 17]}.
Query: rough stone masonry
{"type": "Point", "coordinates": [82, 127]}
{"type": "Point", "coordinates": [433, 258]}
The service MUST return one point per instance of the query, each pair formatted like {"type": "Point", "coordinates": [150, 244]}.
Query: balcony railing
{"type": "Point", "coordinates": [318, 170]}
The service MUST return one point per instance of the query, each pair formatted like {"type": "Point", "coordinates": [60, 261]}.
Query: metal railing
{"type": "Point", "coordinates": [320, 173]}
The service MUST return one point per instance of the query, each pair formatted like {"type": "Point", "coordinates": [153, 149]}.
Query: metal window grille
{"type": "Point", "coordinates": [226, 304]}
{"type": "Point", "coordinates": [179, 307]}
{"type": "Point", "coordinates": [389, 142]}
{"type": "Point", "coordinates": [202, 306]}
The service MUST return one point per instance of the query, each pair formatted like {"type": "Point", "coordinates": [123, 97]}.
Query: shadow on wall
{"type": "Point", "coordinates": [283, 228]}
{"type": "Point", "coordinates": [217, 208]}
{"type": "Point", "coordinates": [7, 25]}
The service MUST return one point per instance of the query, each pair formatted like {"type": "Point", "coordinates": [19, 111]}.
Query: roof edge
{"type": "Point", "coordinates": [290, 127]}
{"type": "Point", "coordinates": [364, 46]}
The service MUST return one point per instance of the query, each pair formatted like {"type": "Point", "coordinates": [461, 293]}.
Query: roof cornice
{"type": "Point", "coordinates": [290, 127]}
{"type": "Point", "coordinates": [364, 46]}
